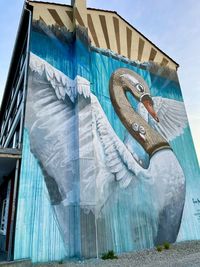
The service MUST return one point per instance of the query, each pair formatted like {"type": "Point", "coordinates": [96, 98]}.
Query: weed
{"type": "Point", "coordinates": [110, 255]}
{"type": "Point", "coordinates": [159, 248]}
{"type": "Point", "coordinates": [166, 245]}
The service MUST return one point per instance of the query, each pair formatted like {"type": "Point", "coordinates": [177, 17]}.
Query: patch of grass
{"type": "Point", "coordinates": [159, 248]}
{"type": "Point", "coordinates": [166, 245]}
{"type": "Point", "coordinates": [110, 255]}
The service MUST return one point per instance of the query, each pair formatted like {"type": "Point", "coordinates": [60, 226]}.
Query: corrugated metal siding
{"type": "Point", "coordinates": [37, 234]}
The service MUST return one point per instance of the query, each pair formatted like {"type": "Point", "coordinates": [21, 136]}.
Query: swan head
{"type": "Point", "coordinates": [137, 86]}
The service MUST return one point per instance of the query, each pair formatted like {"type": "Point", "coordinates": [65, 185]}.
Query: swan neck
{"type": "Point", "coordinates": [140, 130]}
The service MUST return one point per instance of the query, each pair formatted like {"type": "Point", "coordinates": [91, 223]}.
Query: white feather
{"type": "Point", "coordinates": [172, 117]}
{"type": "Point", "coordinates": [62, 84]}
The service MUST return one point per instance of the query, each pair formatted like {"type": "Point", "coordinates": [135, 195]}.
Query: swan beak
{"type": "Point", "coordinates": [148, 103]}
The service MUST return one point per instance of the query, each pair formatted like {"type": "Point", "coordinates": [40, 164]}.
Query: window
{"type": "Point", "coordinates": [3, 218]}
{"type": "Point", "coordinates": [4, 212]}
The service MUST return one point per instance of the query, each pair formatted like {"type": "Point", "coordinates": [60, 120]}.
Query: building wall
{"type": "Point", "coordinates": [92, 179]}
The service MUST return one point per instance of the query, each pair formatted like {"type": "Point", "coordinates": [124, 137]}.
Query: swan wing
{"type": "Point", "coordinates": [60, 133]}
{"type": "Point", "coordinates": [61, 84]}
{"type": "Point", "coordinates": [54, 127]}
{"type": "Point", "coordinates": [172, 117]}
{"type": "Point", "coordinates": [119, 161]}
{"type": "Point", "coordinates": [60, 136]}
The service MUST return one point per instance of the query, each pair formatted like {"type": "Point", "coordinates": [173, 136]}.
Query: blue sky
{"type": "Point", "coordinates": [172, 25]}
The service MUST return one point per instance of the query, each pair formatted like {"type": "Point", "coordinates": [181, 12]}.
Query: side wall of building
{"type": "Point", "coordinates": [95, 175]}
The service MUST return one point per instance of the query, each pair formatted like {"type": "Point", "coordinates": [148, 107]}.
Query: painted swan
{"type": "Point", "coordinates": [163, 170]}
{"type": "Point", "coordinates": [70, 134]}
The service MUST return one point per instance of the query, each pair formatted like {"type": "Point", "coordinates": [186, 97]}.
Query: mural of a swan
{"type": "Point", "coordinates": [81, 155]}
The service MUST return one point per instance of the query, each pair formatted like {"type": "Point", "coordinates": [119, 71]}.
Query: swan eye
{"type": "Point", "coordinates": [139, 87]}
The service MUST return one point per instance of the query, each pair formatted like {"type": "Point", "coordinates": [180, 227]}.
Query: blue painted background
{"type": "Point", "coordinates": [37, 234]}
